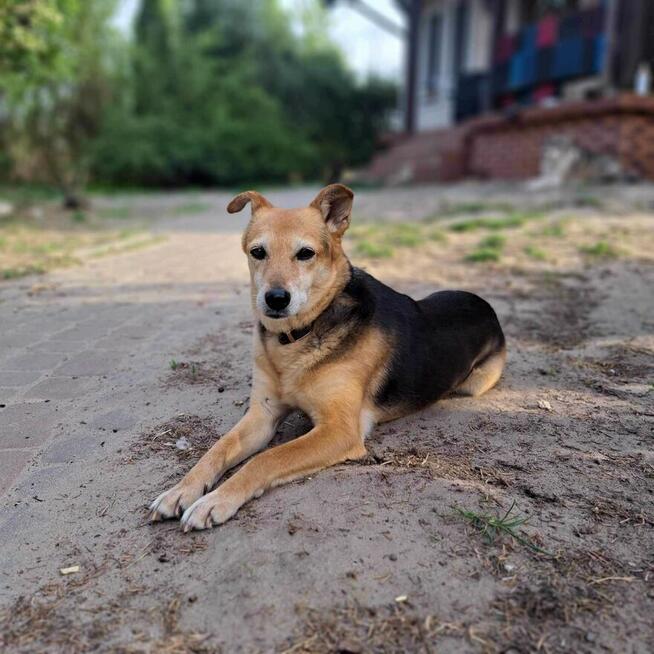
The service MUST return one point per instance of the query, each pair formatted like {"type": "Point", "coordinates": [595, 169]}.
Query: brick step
{"type": "Point", "coordinates": [425, 157]}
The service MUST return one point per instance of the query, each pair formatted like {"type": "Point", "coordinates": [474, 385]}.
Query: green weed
{"type": "Point", "coordinates": [491, 527]}
{"type": "Point", "coordinates": [513, 220]}
{"type": "Point", "coordinates": [494, 242]}
{"type": "Point", "coordinates": [600, 250]}
{"type": "Point", "coordinates": [374, 250]}
{"type": "Point", "coordinates": [482, 255]}
{"type": "Point", "coordinates": [534, 252]}
{"type": "Point", "coordinates": [554, 229]}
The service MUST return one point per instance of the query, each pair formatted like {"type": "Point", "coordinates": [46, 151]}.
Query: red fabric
{"type": "Point", "coordinates": [548, 30]}
{"type": "Point", "coordinates": [544, 91]}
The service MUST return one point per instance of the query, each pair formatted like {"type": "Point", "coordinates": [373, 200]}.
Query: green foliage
{"type": "Point", "coordinates": [30, 36]}
{"type": "Point", "coordinates": [204, 92]}
{"type": "Point", "coordinates": [225, 93]}
{"type": "Point", "coordinates": [56, 84]}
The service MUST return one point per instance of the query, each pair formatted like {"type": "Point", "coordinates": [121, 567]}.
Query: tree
{"type": "Point", "coordinates": [55, 102]}
{"type": "Point", "coordinates": [30, 36]}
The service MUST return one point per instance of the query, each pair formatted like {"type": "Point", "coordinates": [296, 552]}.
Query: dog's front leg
{"type": "Point", "coordinates": [323, 446]}
{"type": "Point", "coordinates": [253, 432]}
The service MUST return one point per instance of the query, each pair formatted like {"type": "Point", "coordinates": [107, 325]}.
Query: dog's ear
{"type": "Point", "coordinates": [335, 204]}
{"type": "Point", "coordinates": [256, 199]}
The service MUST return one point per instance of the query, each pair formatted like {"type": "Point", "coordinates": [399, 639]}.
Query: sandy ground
{"type": "Point", "coordinates": [369, 556]}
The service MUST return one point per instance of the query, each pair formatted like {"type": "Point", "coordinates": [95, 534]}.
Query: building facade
{"type": "Point", "coordinates": [489, 81]}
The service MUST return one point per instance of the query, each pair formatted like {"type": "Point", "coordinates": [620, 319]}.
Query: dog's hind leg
{"type": "Point", "coordinates": [483, 376]}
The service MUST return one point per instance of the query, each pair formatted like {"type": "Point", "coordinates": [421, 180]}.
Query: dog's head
{"type": "Point", "coordinates": [296, 259]}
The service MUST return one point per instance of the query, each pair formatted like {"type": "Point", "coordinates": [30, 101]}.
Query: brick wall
{"type": "Point", "coordinates": [510, 148]}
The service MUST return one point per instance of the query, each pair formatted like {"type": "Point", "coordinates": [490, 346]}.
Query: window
{"type": "Point", "coordinates": [434, 54]}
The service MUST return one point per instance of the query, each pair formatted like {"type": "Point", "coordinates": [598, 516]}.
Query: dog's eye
{"type": "Point", "coordinates": [258, 253]}
{"type": "Point", "coordinates": [305, 254]}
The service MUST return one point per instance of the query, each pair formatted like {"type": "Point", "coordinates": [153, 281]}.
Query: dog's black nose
{"type": "Point", "coordinates": [278, 299]}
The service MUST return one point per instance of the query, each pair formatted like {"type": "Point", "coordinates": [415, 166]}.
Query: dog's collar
{"type": "Point", "coordinates": [286, 338]}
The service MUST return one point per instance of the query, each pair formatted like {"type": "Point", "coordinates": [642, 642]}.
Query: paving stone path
{"type": "Point", "coordinates": [76, 343]}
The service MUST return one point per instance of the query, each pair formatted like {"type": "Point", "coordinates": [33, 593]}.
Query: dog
{"type": "Point", "coordinates": [336, 343]}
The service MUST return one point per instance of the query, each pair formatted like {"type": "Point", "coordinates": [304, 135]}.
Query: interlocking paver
{"type": "Point", "coordinates": [60, 347]}
{"type": "Point", "coordinates": [70, 450]}
{"type": "Point", "coordinates": [12, 463]}
{"type": "Point", "coordinates": [30, 361]}
{"type": "Point", "coordinates": [91, 362]}
{"type": "Point", "coordinates": [62, 388]}
{"type": "Point", "coordinates": [27, 424]}
{"type": "Point", "coordinates": [16, 378]}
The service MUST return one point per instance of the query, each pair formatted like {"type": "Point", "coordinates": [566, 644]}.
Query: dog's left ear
{"type": "Point", "coordinates": [335, 204]}
{"type": "Point", "coordinates": [256, 199]}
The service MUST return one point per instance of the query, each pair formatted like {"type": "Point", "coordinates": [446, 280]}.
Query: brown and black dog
{"type": "Point", "coordinates": [339, 345]}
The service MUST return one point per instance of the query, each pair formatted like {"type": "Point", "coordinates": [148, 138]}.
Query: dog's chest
{"type": "Point", "coordinates": [292, 365]}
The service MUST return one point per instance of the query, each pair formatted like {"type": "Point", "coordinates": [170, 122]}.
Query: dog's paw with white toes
{"type": "Point", "coordinates": [209, 511]}
{"type": "Point", "coordinates": [173, 502]}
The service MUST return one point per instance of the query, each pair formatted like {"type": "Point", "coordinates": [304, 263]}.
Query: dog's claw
{"type": "Point", "coordinates": [172, 503]}
{"type": "Point", "coordinates": [209, 511]}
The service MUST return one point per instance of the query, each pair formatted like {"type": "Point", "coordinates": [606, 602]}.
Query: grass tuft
{"type": "Point", "coordinates": [556, 229]}
{"type": "Point", "coordinates": [482, 255]}
{"type": "Point", "coordinates": [489, 249]}
{"type": "Point", "coordinates": [510, 221]}
{"type": "Point", "coordinates": [600, 250]}
{"type": "Point", "coordinates": [534, 252]}
{"type": "Point", "coordinates": [493, 526]}
{"type": "Point", "coordinates": [374, 250]}
{"type": "Point", "coordinates": [493, 242]}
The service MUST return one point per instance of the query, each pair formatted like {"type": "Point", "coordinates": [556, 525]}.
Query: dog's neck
{"type": "Point", "coordinates": [296, 327]}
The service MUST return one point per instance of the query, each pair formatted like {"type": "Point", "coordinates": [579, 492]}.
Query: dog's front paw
{"type": "Point", "coordinates": [212, 509]}
{"type": "Point", "coordinates": [172, 503]}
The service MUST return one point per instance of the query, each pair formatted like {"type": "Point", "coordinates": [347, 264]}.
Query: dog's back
{"type": "Point", "coordinates": [434, 343]}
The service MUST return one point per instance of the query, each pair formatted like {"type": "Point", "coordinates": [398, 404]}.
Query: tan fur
{"type": "Point", "coordinates": [484, 376]}
{"type": "Point", "coordinates": [334, 386]}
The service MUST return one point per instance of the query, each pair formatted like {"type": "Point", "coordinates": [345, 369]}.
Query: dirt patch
{"type": "Point", "coordinates": [210, 361]}
{"type": "Point", "coordinates": [437, 466]}
{"type": "Point", "coordinates": [362, 630]}
{"type": "Point", "coordinates": [49, 621]}
{"type": "Point", "coordinates": [557, 608]}
{"type": "Point", "coordinates": [185, 437]}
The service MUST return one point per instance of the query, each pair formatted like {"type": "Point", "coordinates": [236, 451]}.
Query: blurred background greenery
{"type": "Point", "coordinates": [198, 93]}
